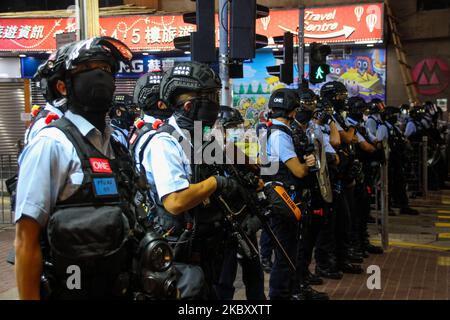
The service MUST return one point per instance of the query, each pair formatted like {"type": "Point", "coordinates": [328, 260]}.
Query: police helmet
{"type": "Point", "coordinates": [357, 104]}
{"type": "Point", "coordinates": [189, 76]}
{"type": "Point", "coordinates": [376, 106]}
{"type": "Point", "coordinates": [284, 99]}
{"type": "Point", "coordinates": [229, 117]}
{"type": "Point", "coordinates": [146, 91]}
{"type": "Point", "coordinates": [333, 89]}
{"type": "Point", "coordinates": [107, 49]}
{"type": "Point", "coordinates": [52, 70]}
{"type": "Point", "coordinates": [308, 100]}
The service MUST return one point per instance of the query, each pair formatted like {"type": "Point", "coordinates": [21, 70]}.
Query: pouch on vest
{"type": "Point", "coordinates": [89, 237]}
{"type": "Point", "coordinates": [281, 202]}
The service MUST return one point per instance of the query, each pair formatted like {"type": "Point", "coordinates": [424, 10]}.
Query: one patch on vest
{"type": "Point", "coordinates": [105, 186]}
{"type": "Point", "coordinates": [100, 165]}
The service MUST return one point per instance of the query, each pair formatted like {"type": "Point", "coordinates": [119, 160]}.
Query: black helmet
{"type": "Point", "coordinates": [284, 100]}
{"type": "Point", "coordinates": [107, 49]}
{"type": "Point", "coordinates": [391, 114]}
{"type": "Point", "coordinates": [336, 93]}
{"type": "Point", "coordinates": [122, 112]}
{"type": "Point", "coordinates": [52, 70]}
{"type": "Point", "coordinates": [123, 100]}
{"type": "Point", "coordinates": [357, 105]}
{"type": "Point", "coordinates": [229, 117]}
{"type": "Point", "coordinates": [308, 100]}
{"type": "Point", "coordinates": [189, 76]}
{"type": "Point", "coordinates": [331, 89]}
{"type": "Point", "coordinates": [376, 106]}
{"type": "Point", "coordinates": [146, 91]}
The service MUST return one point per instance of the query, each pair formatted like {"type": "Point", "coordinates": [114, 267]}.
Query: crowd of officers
{"type": "Point", "coordinates": [123, 202]}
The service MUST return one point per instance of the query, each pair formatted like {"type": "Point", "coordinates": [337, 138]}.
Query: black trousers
{"type": "Point", "coordinates": [397, 183]}
{"type": "Point", "coordinates": [252, 274]}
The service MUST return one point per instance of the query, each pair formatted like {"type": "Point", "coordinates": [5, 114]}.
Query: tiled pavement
{"type": "Point", "coordinates": [406, 274]}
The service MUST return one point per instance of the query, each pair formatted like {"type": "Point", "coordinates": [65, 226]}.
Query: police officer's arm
{"type": "Point", "coordinates": [364, 145]}
{"type": "Point", "coordinates": [298, 169]}
{"type": "Point", "coordinates": [180, 201]}
{"type": "Point", "coordinates": [28, 259]}
{"type": "Point", "coordinates": [335, 138]}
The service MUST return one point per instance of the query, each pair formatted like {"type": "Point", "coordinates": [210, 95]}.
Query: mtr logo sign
{"type": "Point", "coordinates": [432, 76]}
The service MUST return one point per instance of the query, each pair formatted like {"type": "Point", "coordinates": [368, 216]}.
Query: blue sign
{"type": "Point", "coordinates": [140, 64]}
{"type": "Point", "coordinates": [105, 186]}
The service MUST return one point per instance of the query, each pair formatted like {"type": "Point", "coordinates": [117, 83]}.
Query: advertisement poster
{"type": "Point", "coordinates": [363, 72]}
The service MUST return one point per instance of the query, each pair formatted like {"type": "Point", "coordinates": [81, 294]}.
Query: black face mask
{"type": "Point", "coordinates": [92, 91]}
{"type": "Point", "coordinates": [358, 117]}
{"type": "Point", "coordinates": [304, 116]}
{"type": "Point", "coordinates": [203, 110]}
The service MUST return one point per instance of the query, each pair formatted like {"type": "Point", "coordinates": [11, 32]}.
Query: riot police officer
{"type": "Point", "coordinates": [281, 155]}
{"type": "Point", "coordinates": [308, 139]}
{"type": "Point", "coordinates": [85, 185]}
{"type": "Point", "coordinates": [344, 182]}
{"type": "Point", "coordinates": [231, 121]}
{"type": "Point", "coordinates": [122, 115]}
{"type": "Point", "coordinates": [181, 187]}
{"type": "Point", "coordinates": [397, 146]}
{"type": "Point", "coordinates": [374, 120]}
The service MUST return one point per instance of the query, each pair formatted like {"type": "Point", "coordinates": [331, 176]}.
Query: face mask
{"type": "Point", "coordinates": [304, 116]}
{"type": "Point", "coordinates": [358, 117]}
{"type": "Point", "coordinates": [92, 91]}
{"type": "Point", "coordinates": [207, 111]}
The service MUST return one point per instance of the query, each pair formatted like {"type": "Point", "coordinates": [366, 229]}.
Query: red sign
{"type": "Point", "coordinates": [432, 76]}
{"type": "Point", "coordinates": [328, 24]}
{"type": "Point", "coordinates": [100, 165]}
{"type": "Point", "coordinates": [338, 24]}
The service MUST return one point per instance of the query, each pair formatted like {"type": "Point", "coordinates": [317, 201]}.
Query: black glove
{"type": "Point", "coordinates": [227, 185]}
{"type": "Point", "coordinates": [324, 118]}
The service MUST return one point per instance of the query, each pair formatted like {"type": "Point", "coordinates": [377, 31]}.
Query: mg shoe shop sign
{"type": "Point", "coordinates": [343, 24]}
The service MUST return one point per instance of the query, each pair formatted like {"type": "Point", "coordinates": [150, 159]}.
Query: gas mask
{"type": "Point", "coordinates": [92, 91]}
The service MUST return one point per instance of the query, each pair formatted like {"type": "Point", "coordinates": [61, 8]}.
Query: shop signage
{"type": "Point", "coordinates": [343, 24]}
{"type": "Point", "coordinates": [432, 76]}
{"type": "Point", "coordinates": [139, 65]}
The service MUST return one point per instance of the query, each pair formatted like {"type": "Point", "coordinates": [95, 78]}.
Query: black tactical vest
{"type": "Point", "coordinates": [92, 228]}
{"type": "Point", "coordinates": [283, 175]}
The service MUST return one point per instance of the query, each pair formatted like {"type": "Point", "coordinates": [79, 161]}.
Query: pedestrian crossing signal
{"type": "Point", "coordinates": [318, 73]}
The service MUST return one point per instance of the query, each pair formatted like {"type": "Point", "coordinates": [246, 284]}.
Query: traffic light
{"type": "Point", "coordinates": [285, 70]}
{"type": "Point", "coordinates": [243, 39]}
{"type": "Point", "coordinates": [318, 67]}
{"type": "Point", "coordinates": [201, 43]}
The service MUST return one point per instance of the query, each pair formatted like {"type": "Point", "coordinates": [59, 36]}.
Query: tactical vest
{"type": "Point", "coordinates": [283, 175]}
{"type": "Point", "coordinates": [91, 229]}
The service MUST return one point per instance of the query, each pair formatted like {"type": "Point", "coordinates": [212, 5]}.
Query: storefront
{"type": "Point", "coordinates": [12, 99]}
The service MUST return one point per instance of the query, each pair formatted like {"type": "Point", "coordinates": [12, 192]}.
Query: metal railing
{"type": "Point", "coordinates": [8, 168]}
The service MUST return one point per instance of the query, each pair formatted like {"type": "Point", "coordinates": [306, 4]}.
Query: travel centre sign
{"type": "Point", "coordinates": [343, 24]}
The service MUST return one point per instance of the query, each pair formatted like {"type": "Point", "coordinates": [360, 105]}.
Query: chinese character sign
{"type": "Point", "coordinates": [342, 24]}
